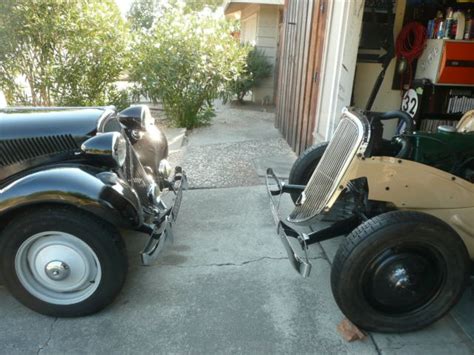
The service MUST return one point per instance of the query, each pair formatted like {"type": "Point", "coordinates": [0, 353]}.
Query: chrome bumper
{"type": "Point", "coordinates": [163, 227]}
{"type": "Point", "coordinates": [285, 232]}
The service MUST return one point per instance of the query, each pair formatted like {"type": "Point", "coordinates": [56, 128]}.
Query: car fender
{"type": "Point", "coordinates": [108, 197]}
{"type": "Point", "coordinates": [151, 148]}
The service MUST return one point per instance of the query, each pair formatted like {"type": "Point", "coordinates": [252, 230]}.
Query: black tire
{"type": "Point", "coordinates": [65, 229]}
{"type": "Point", "coordinates": [399, 271]}
{"type": "Point", "coordinates": [304, 166]}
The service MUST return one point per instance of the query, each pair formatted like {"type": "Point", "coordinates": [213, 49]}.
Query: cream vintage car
{"type": "Point", "coordinates": [409, 246]}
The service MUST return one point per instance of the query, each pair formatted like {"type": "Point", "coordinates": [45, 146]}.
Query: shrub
{"type": "Point", "coordinates": [120, 98]}
{"type": "Point", "coordinates": [186, 60]}
{"type": "Point", "coordinates": [258, 68]}
{"type": "Point", "coordinates": [65, 52]}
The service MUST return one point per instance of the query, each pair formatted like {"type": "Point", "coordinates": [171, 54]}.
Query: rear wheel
{"type": "Point", "coordinates": [399, 272]}
{"type": "Point", "coordinates": [62, 262]}
{"type": "Point", "coordinates": [304, 166]}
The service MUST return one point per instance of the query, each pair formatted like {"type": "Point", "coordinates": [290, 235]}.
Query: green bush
{"type": "Point", "coordinates": [258, 68]}
{"type": "Point", "coordinates": [120, 98]}
{"type": "Point", "coordinates": [66, 52]}
{"type": "Point", "coordinates": [186, 60]}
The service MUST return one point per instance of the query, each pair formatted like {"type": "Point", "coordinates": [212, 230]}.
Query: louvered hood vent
{"type": "Point", "coordinates": [17, 150]}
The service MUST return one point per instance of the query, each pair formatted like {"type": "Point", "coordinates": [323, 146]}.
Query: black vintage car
{"type": "Point", "coordinates": [69, 179]}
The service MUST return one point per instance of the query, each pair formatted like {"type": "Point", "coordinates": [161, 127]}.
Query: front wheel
{"type": "Point", "coordinates": [62, 262]}
{"type": "Point", "coordinates": [399, 271]}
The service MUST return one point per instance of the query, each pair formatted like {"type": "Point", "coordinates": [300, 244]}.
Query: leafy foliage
{"type": "Point", "coordinates": [142, 13]}
{"type": "Point", "coordinates": [68, 52]}
{"type": "Point", "coordinates": [198, 5]}
{"type": "Point", "coordinates": [186, 61]}
{"type": "Point", "coordinates": [258, 68]}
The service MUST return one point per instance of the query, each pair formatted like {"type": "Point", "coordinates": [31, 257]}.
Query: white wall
{"type": "Point", "coordinates": [338, 66]}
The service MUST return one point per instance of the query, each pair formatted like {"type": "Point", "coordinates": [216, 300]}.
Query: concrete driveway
{"type": "Point", "coordinates": [225, 286]}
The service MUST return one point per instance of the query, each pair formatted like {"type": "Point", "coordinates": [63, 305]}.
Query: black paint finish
{"type": "Point", "coordinates": [41, 162]}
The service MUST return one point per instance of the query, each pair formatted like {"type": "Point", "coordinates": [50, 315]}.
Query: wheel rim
{"type": "Point", "coordinates": [404, 279]}
{"type": "Point", "coordinates": [58, 268]}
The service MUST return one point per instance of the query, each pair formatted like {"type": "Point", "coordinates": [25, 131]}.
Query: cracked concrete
{"type": "Point", "coordinates": [46, 343]}
{"type": "Point", "coordinates": [225, 286]}
{"type": "Point", "coordinates": [234, 264]}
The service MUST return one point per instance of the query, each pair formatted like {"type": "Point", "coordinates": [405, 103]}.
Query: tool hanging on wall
{"type": "Point", "coordinates": [409, 46]}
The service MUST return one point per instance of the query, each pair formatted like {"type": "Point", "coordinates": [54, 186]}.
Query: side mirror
{"type": "Point", "coordinates": [136, 117]}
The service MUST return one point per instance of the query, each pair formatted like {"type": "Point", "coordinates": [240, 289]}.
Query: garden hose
{"type": "Point", "coordinates": [409, 46]}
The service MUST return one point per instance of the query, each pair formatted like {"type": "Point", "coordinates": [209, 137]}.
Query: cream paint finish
{"type": "Point", "coordinates": [466, 124]}
{"type": "Point", "coordinates": [414, 186]}
{"type": "Point", "coordinates": [462, 220]}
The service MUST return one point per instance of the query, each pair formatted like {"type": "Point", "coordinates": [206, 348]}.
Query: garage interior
{"type": "Point", "coordinates": [435, 85]}
{"type": "Point", "coordinates": [445, 91]}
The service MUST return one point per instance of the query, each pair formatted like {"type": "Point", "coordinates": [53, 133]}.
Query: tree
{"type": "Point", "coordinates": [68, 52]}
{"type": "Point", "coordinates": [142, 13]}
{"type": "Point", "coordinates": [198, 5]}
{"type": "Point", "coordinates": [186, 61]}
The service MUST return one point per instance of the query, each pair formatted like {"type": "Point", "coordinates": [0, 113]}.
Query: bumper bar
{"type": "Point", "coordinates": [162, 230]}
{"type": "Point", "coordinates": [302, 264]}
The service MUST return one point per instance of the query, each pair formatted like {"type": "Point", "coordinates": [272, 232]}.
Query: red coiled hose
{"type": "Point", "coordinates": [410, 45]}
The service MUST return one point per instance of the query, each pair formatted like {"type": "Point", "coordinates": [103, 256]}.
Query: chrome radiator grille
{"type": "Point", "coordinates": [17, 150]}
{"type": "Point", "coordinates": [349, 135]}
{"type": "Point", "coordinates": [133, 172]}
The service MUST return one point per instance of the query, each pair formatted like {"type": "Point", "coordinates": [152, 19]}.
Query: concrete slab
{"type": "Point", "coordinates": [229, 164]}
{"type": "Point", "coordinates": [258, 308]}
{"type": "Point", "coordinates": [463, 312]}
{"type": "Point", "coordinates": [443, 337]}
{"type": "Point", "coordinates": [281, 165]}
{"type": "Point", "coordinates": [22, 331]}
{"type": "Point", "coordinates": [230, 226]}
{"type": "Point", "coordinates": [233, 125]}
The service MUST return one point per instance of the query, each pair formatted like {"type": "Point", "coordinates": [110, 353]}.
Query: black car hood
{"type": "Point", "coordinates": [78, 123]}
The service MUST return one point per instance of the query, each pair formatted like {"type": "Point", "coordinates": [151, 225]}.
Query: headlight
{"type": "Point", "coordinates": [110, 147]}
{"type": "Point", "coordinates": [119, 152]}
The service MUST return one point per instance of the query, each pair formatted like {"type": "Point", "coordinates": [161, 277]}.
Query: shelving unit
{"type": "Point", "coordinates": [436, 104]}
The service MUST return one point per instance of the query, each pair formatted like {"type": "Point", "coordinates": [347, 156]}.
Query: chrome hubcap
{"type": "Point", "coordinates": [58, 268]}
